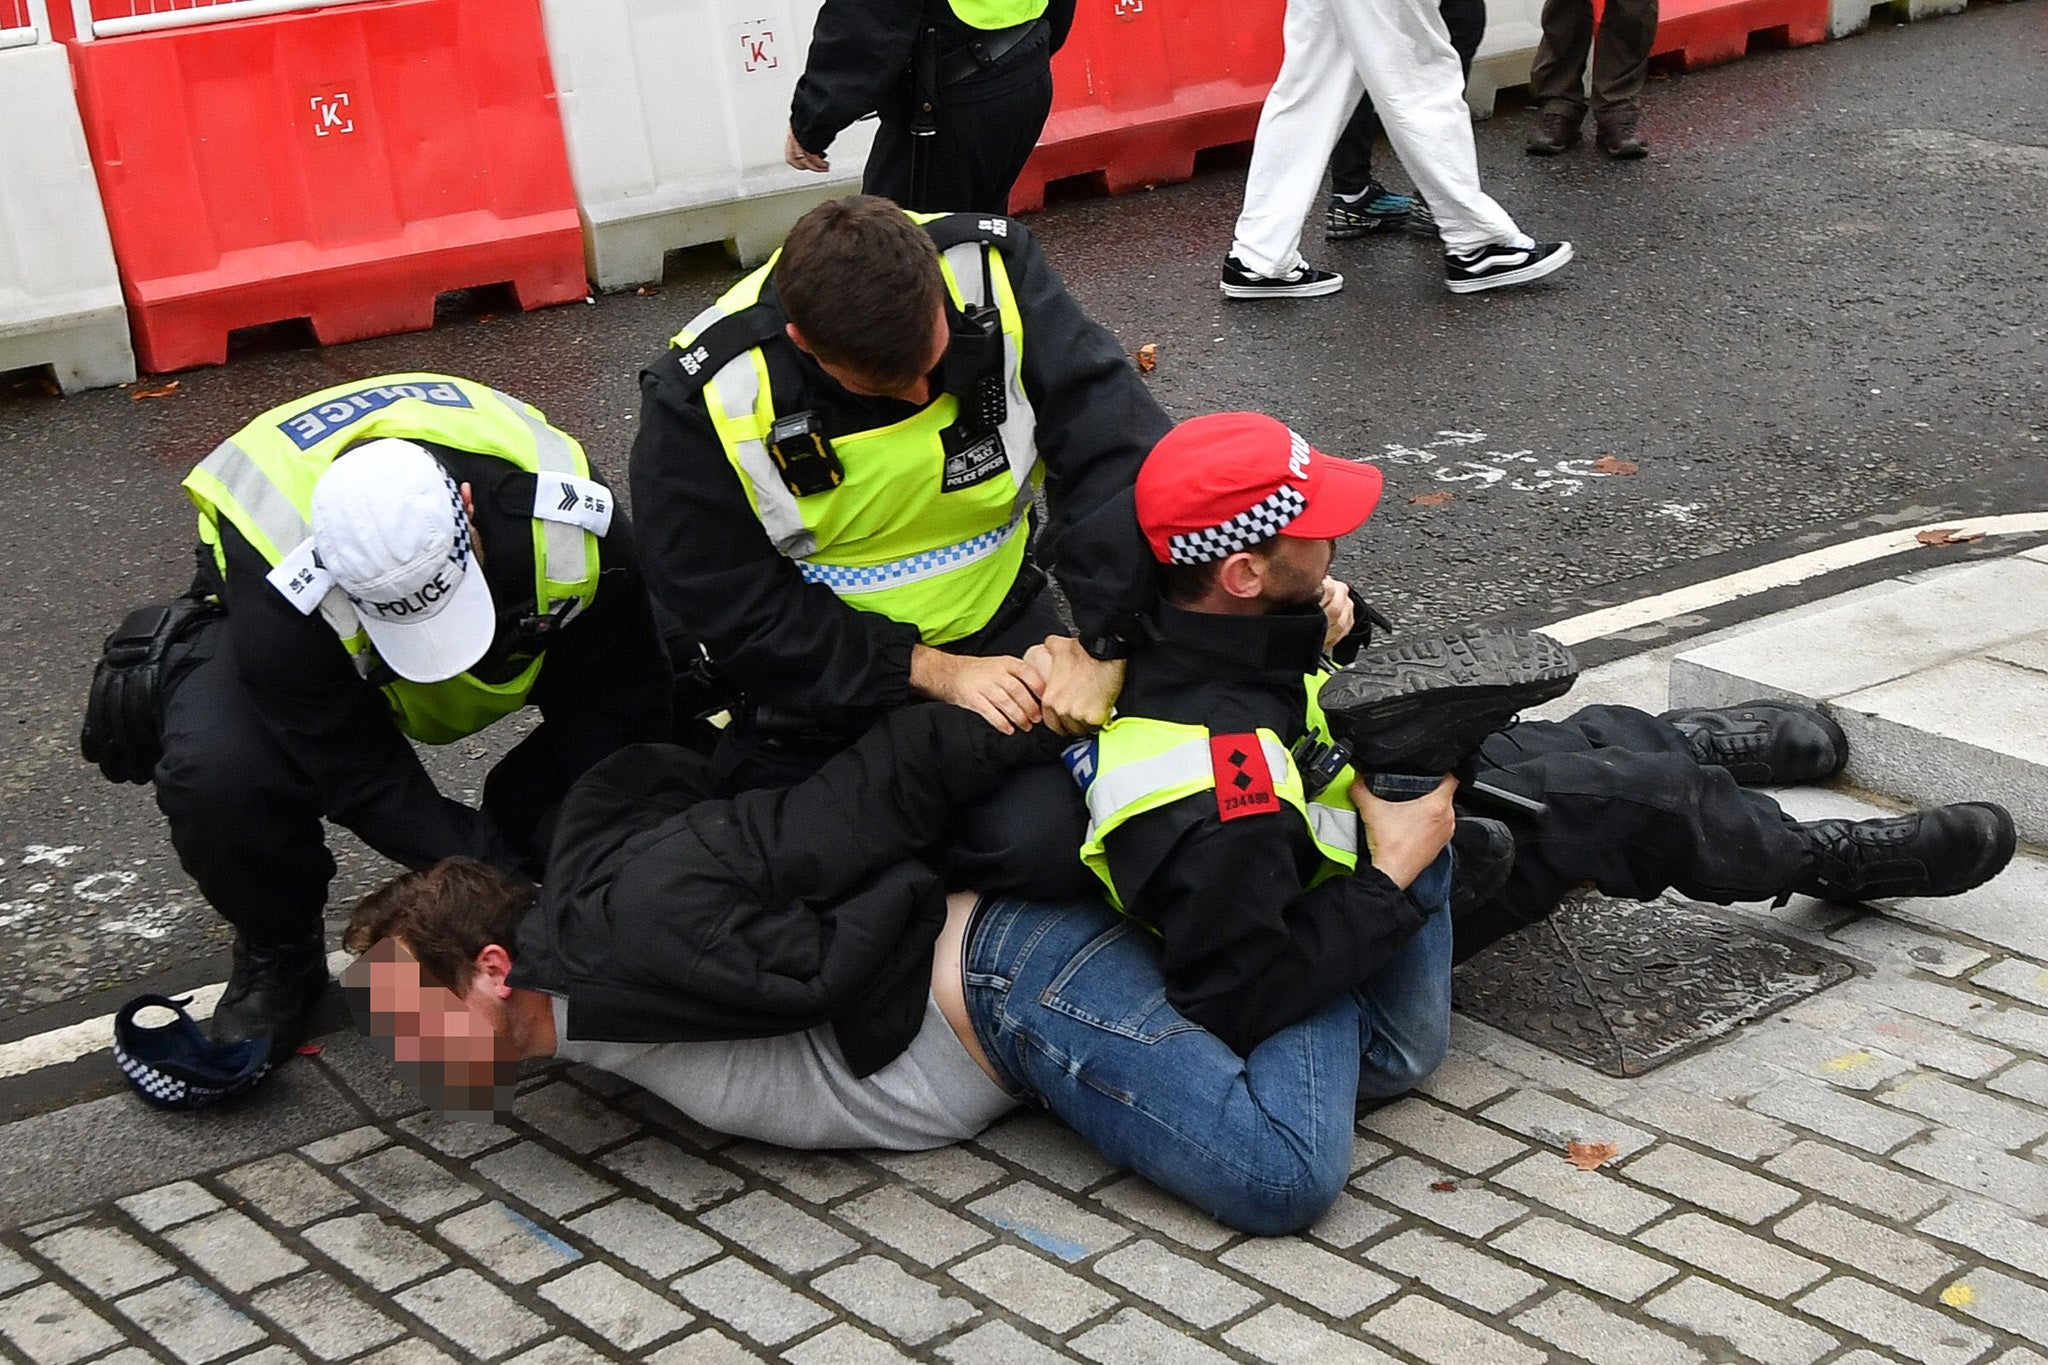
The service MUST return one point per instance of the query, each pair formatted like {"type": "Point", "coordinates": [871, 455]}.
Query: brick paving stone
{"type": "Point", "coordinates": [1139, 1200]}
{"type": "Point", "coordinates": [1981, 1169]}
{"type": "Point", "coordinates": [1408, 1184]}
{"type": "Point", "coordinates": [1819, 1054]}
{"type": "Point", "coordinates": [1928, 999]}
{"type": "Point", "coordinates": [1349, 1221]}
{"type": "Point", "coordinates": [325, 1318]}
{"type": "Point", "coordinates": [710, 1347]}
{"type": "Point", "coordinates": [1728, 1190]}
{"type": "Point", "coordinates": [103, 1259]}
{"type": "Point", "coordinates": [1829, 1112]}
{"type": "Point", "coordinates": [671, 1174]}
{"type": "Point", "coordinates": [2018, 978]}
{"type": "Point", "coordinates": [1048, 1222]}
{"type": "Point", "coordinates": [2002, 1301]}
{"type": "Point", "coordinates": [1558, 1124]}
{"type": "Point", "coordinates": [646, 1238]}
{"type": "Point", "coordinates": [1047, 1148]}
{"type": "Point", "coordinates": [998, 1343]}
{"type": "Point", "coordinates": [333, 1151]}
{"type": "Point", "coordinates": [191, 1321]}
{"type": "Point", "coordinates": [1863, 1358]}
{"type": "Point", "coordinates": [1282, 1336]}
{"type": "Point", "coordinates": [778, 1232]}
{"type": "Point", "coordinates": [1450, 1139]}
{"type": "Point", "coordinates": [287, 1190]}
{"type": "Point", "coordinates": [269, 1355]}
{"type": "Point", "coordinates": [1187, 1289]}
{"type": "Point", "coordinates": [1757, 1332]}
{"type": "Point", "coordinates": [473, 1313]}
{"type": "Point", "coordinates": [1993, 1233]}
{"type": "Point", "coordinates": [413, 1351]}
{"type": "Point", "coordinates": [1597, 1197]}
{"type": "Point", "coordinates": [1584, 1257]}
{"type": "Point", "coordinates": [1999, 1122]}
{"type": "Point", "coordinates": [575, 1118]}
{"type": "Point", "coordinates": [1875, 1249]}
{"type": "Point", "coordinates": [1907, 948]}
{"type": "Point", "coordinates": [1853, 1180]}
{"type": "Point", "coordinates": [1426, 1328]}
{"type": "Point", "coordinates": [14, 1271]}
{"type": "Point", "coordinates": [908, 1222]}
{"type": "Point", "coordinates": [1584, 1328]}
{"type": "Point", "coordinates": [1902, 1035]}
{"type": "Point", "coordinates": [1135, 1338]}
{"type": "Point", "coordinates": [1719, 1127]}
{"type": "Point", "coordinates": [890, 1297]}
{"type": "Point", "coordinates": [1329, 1283]}
{"type": "Point", "coordinates": [1456, 1271]}
{"type": "Point", "coordinates": [234, 1252]}
{"type": "Point", "coordinates": [408, 1184]}
{"type": "Point", "coordinates": [507, 1243]}
{"type": "Point", "coordinates": [820, 1177]}
{"type": "Point", "coordinates": [2026, 1030]}
{"type": "Point", "coordinates": [1033, 1288]}
{"type": "Point", "coordinates": [459, 1138]}
{"type": "Point", "coordinates": [1879, 1315]}
{"type": "Point", "coordinates": [38, 1231]}
{"type": "Point", "coordinates": [675, 1125]}
{"type": "Point", "coordinates": [2021, 1357]}
{"type": "Point", "coordinates": [535, 1176]}
{"type": "Point", "coordinates": [560, 1351]}
{"type": "Point", "coordinates": [1722, 1073]}
{"type": "Point", "coordinates": [1545, 1069]}
{"type": "Point", "coordinates": [51, 1327]}
{"type": "Point", "coordinates": [135, 1355]}
{"type": "Point", "coordinates": [1466, 1082]}
{"type": "Point", "coordinates": [381, 1254]}
{"type": "Point", "coordinates": [844, 1344]}
{"type": "Point", "coordinates": [168, 1205]}
{"type": "Point", "coordinates": [1734, 1255]}
{"type": "Point", "coordinates": [2028, 1081]}
{"type": "Point", "coordinates": [951, 1173]}
{"type": "Point", "coordinates": [620, 1312]}
{"type": "Point", "coordinates": [749, 1301]}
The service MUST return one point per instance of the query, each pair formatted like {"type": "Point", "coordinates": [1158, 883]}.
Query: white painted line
{"type": "Point", "coordinates": [88, 1036]}
{"type": "Point", "coordinates": [1783, 573]}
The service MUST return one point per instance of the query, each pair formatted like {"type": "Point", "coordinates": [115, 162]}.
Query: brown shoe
{"type": "Point", "coordinates": [1554, 133]}
{"type": "Point", "coordinates": [1618, 136]}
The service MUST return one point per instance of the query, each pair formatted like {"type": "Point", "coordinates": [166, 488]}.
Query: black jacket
{"type": "Point", "coordinates": [1247, 949]}
{"type": "Point", "coordinates": [860, 59]}
{"type": "Point", "coordinates": [670, 917]}
{"type": "Point", "coordinates": [604, 682]}
{"type": "Point", "coordinates": [712, 568]}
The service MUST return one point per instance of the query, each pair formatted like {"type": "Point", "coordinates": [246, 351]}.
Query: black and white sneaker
{"type": "Point", "coordinates": [1302, 282]}
{"type": "Point", "coordinates": [1497, 266]}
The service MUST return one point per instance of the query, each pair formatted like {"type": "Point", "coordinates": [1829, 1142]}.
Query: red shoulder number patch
{"type": "Point", "coordinates": [1244, 785]}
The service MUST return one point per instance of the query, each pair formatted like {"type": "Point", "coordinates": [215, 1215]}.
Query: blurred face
{"type": "Point", "coordinates": [456, 1050]}
{"type": "Point", "coordinates": [1295, 570]}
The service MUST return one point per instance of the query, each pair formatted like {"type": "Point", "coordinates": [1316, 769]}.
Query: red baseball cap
{"type": "Point", "coordinates": [1222, 483]}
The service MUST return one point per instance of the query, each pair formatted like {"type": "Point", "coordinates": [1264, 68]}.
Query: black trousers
{"type": "Point", "coordinates": [987, 126]}
{"type": "Point", "coordinates": [245, 815]}
{"type": "Point", "coordinates": [1351, 159]}
{"type": "Point", "coordinates": [1631, 813]}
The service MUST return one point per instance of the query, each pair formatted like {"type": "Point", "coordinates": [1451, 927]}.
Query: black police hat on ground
{"type": "Point", "coordinates": [176, 1066]}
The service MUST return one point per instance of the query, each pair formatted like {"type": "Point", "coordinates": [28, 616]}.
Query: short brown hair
{"type": "Point", "coordinates": [862, 283]}
{"type": "Point", "coordinates": [1185, 583]}
{"type": "Point", "coordinates": [444, 915]}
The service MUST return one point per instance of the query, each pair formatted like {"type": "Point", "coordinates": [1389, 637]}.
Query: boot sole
{"type": "Point", "coordinates": [1426, 705]}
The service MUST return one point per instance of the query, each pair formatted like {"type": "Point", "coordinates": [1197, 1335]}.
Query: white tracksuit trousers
{"type": "Point", "coordinates": [1400, 51]}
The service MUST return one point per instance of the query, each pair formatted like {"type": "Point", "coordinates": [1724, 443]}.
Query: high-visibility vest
{"type": "Point", "coordinates": [261, 481]}
{"type": "Point", "coordinates": [994, 14]}
{"type": "Point", "coordinates": [1138, 764]}
{"type": "Point", "coordinates": [906, 534]}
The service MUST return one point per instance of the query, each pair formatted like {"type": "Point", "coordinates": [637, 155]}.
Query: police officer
{"type": "Point", "coordinates": [415, 557]}
{"type": "Point", "coordinates": [962, 88]}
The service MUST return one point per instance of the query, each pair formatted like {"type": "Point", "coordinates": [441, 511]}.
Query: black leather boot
{"type": "Point", "coordinates": [1938, 852]}
{"type": "Point", "coordinates": [1765, 743]}
{"type": "Point", "coordinates": [271, 991]}
{"type": "Point", "coordinates": [1424, 705]}
{"type": "Point", "coordinates": [1484, 852]}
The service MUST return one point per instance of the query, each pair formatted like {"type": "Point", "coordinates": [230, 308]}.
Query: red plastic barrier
{"type": "Point", "coordinates": [1142, 85]}
{"type": "Point", "coordinates": [343, 165]}
{"type": "Point", "coordinates": [1704, 32]}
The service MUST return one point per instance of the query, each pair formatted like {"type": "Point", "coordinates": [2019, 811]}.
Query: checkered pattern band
{"type": "Point", "coordinates": [1254, 526]}
{"type": "Point", "coordinates": [849, 579]}
{"type": "Point", "coordinates": [155, 1085]}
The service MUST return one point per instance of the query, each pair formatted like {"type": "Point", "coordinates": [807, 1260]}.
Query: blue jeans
{"type": "Point", "coordinates": [1069, 1005]}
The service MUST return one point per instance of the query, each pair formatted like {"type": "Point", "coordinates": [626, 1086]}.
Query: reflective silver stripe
{"type": "Point", "coordinates": [850, 580]}
{"type": "Point", "coordinates": [965, 259]}
{"type": "Point", "coordinates": [1130, 783]}
{"type": "Point", "coordinates": [554, 452]}
{"type": "Point", "coordinates": [1334, 828]}
{"type": "Point", "coordinates": [739, 393]}
{"type": "Point", "coordinates": [267, 505]}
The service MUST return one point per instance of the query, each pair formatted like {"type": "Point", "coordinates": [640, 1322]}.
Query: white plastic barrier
{"type": "Point", "coordinates": [1853, 16]}
{"type": "Point", "coordinates": [1513, 29]}
{"type": "Point", "coordinates": [675, 112]}
{"type": "Point", "coordinates": [60, 298]}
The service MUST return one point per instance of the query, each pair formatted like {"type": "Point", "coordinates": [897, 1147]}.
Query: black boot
{"type": "Point", "coordinates": [1938, 852]}
{"type": "Point", "coordinates": [1423, 706]}
{"type": "Point", "coordinates": [1483, 853]}
{"type": "Point", "coordinates": [1765, 743]}
{"type": "Point", "coordinates": [271, 991]}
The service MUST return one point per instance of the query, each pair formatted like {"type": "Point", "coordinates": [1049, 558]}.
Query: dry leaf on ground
{"type": "Point", "coordinates": [1607, 464]}
{"type": "Point", "coordinates": [1591, 1156]}
{"type": "Point", "coordinates": [647, 291]}
{"type": "Point", "coordinates": [159, 391]}
{"type": "Point", "coordinates": [1436, 499]}
{"type": "Point", "coordinates": [1443, 1187]}
{"type": "Point", "coordinates": [1948, 535]}
{"type": "Point", "coordinates": [1148, 357]}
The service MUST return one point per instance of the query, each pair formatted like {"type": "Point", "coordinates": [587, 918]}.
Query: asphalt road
{"type": "Point", "coordinates": [1818, 309]}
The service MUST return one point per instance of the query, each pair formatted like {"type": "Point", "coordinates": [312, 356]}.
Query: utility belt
{"type": "Point", "coordinates": [124, 714]}
{"type": "Point", "coordinates": [986, 52]}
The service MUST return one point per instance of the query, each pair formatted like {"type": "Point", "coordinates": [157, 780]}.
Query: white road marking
{"type": "Point", "coordinates": [57, 855]}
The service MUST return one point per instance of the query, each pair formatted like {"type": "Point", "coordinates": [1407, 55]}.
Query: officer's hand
{"type": "Point", "coordinates": [1341, 612]}
{"type": "Point", "coordinates": [793, 152]}
{"type": "Point", "coordinates": [999, 689]}
{"type": "Point", "coordinates": [1078, 690]}
{"type": "Point", "coordinates": [1406, 835]}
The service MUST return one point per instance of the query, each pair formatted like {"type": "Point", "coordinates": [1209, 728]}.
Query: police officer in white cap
{"type": "Point", "coordinates": [406, 558]}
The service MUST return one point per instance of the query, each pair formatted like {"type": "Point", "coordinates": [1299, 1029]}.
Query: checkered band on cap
{"type": "Point", "coordinates": [1255, 525]}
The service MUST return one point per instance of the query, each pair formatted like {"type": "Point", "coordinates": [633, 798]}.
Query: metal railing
{"type": "Point", "coordinates": [113, 18]}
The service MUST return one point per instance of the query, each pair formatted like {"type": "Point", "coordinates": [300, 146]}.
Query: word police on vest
{"type": "Point", "coordinates": [388, 526]}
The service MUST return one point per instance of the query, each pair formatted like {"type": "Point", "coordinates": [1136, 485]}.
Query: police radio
{"type": "Point", "coordinates": [804, 456]}
{"type": "Point", "coordinates": [975, 369]}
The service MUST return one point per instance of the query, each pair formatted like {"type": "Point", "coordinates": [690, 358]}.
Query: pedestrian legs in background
{"type": "Point", "coordinates": [1359, 204]}
{"type": "Point", "coordinates": [1620, 61]}
{"type": "Point", "coordinates": [987, 126]}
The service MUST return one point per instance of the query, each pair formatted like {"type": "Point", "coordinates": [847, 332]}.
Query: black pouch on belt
{"type": "Point", "coordinates": [124, 716]}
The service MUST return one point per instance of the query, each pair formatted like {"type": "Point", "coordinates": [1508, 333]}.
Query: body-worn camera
{"type": "Point", "coordinates": [804, 456]}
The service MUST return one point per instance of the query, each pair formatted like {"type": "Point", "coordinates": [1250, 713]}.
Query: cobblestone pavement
{"type": "Point", "coordinates": [1860, 1179]}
